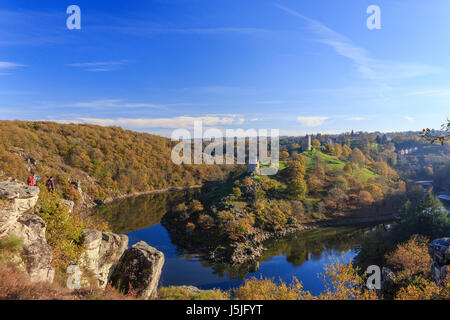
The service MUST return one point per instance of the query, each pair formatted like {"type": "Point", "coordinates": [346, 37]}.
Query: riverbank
{"type": "Point", "coordinates": [143, 193]}
{"type": "Point", "coordinates": [253, 247]}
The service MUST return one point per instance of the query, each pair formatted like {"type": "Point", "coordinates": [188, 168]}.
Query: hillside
{"type": "Point", "coordinates": [108, 161]}
{"type": "Point", "coordinates": [230, 222]}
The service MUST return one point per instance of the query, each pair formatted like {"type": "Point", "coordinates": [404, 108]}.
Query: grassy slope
{"type": "Point", "coordinates": [332, 162]}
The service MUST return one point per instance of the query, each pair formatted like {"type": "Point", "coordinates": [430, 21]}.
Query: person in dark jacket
{"type": "Point", "coordinates": [51, 184]}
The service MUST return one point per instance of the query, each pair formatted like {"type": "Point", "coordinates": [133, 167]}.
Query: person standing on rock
{"type": "Point", "coordinates": [50, 184]}
{"type": "Point", "coordinates": [33, 179]}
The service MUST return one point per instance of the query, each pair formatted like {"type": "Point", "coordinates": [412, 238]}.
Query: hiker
{"type": "Point", "coordinates": [33, 179]}
{"type": "Point", "coordinates": [50, 184]}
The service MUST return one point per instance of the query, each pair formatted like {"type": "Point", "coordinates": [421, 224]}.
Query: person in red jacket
{"type": "Point", "coordinates": [32, 180]}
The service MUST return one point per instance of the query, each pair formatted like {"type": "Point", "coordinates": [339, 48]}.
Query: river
{"type": "Point", "coordinates": [302, 255]}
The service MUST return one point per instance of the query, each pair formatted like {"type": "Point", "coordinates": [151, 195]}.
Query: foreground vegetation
{"type": "Point", "coordinates": [342, 280]}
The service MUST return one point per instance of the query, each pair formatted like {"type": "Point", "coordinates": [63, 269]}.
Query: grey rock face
{"type": "Point", "coordinates": [139, 269]}
{"type": "Point", "coordinates": [15, 200]}
{"type": "Point", "coordinates": [68, 203]}
{"type": "Point", "coordinates": [439, 250]}
{"type": "Point", "coordinates": [13, 190]}
{"type": "Point", "coordinates": [102, 252]}
{"type": "Point", "coordinates": [387, 281]}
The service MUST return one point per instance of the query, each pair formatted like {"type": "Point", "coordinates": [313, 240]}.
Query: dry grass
{"type": "Point", "coordinates": [16, 285]}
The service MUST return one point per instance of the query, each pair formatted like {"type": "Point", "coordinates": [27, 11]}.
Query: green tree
{"type": "Point", "coordinates": [316, 143]}
{"type": "Point", "coordinates": [296, 189]}
{"type": "Point", "coordinates": [348, 168]}
{"type": "Point", "coordinates": [429, 218]}
{"type": "Point", "coordinates": [357, 157]}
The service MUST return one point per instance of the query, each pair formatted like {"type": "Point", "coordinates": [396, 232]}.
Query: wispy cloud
{"type": "Point", "coordinates": [31, 28]}
{"type": "Point", "coordinates": [217, 30]}
{"type": "Point", "coordinates": [186, 122]}
{"type": "Point", "coordinates": [431, 93]}
{"type": "Point", "coordinates": [5, 65]}
{"type": "Point", "coordinates": [144, 28]}
{"type": "Point", "coordinates": [369, 68]}
{"type": "Point", "coordinates": [114, 103]}
{"type": "Point", "coordinates": [220, 90]}
{"type": "Point", "coordinates": [408, 118]}
{"type": "Point", "coordinates": [311, 121]}
{"type": "Point", "coordinates": [9, 65]}
{"type": "Point", "coordinates": [98, 66]}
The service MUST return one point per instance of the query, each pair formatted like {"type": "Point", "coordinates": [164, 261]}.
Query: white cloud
{"type": "Point", "coordinates": [9, 65]}
{"type": "Point", "coordinates": [372, 69]}
{"type": "Point", "coordinates": [312, 121]}
{"type": "Point", "coordinates": [115, 103]}
{"type": "Point", "coordinates": [226, 90]}
{"type": "Point", "coordinates": [356, 119]}
{"type": "Point", "coordinates": [144, 28]}
{"type": "Point", "coordinates": [408, 118]}
{"type": "Point", "coordinates": [185, 122]}
{"type": "Point", "coordinates": [432, 93]}
{"type": "Point", "coordinates": [99, 66]}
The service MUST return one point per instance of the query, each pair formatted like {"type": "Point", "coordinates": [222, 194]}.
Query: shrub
{"type": "Point", "coordinates": [64, 230]}
{"type": "Point", "coordinates": [411, 260]}
{"type": "Point", "coordinates": [11, 244]}
{"type": "Point", "coordinates": [267, 289]}
{"type": "Point", "coordinates": [9, 247]}
{"type": "Point", "coordinates": [186, 293]}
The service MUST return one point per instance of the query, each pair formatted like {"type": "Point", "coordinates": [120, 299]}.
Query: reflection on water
{"type": "Point", "coordinates": [302, 255]}
{"type": "Point", "coordinates": [141, 212]}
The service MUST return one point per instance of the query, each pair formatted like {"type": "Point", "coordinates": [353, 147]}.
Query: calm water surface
{"type": "Point", "coordinates": [302, 255]}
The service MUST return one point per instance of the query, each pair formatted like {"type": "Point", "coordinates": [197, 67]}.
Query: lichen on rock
{"type": "Point", "coordinates": [139, 269]}
{"type": "Point", "coordinates": [16, 200]}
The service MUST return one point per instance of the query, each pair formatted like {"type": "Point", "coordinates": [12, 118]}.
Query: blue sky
{"type": "Point", "coordinates": [299, 66]}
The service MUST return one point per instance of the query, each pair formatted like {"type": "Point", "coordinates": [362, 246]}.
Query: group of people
{"type": "Point", "coordinates": [33, 180]}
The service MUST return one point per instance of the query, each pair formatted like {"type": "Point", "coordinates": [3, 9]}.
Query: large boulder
{"type": "Point", "coordinates": [139, 269]}
{"type": "Point", "coordinates": [102, 252]}
{"type": "Point", "coordinates": [439, 250]}
{"type": "Point", "coordinates": [36, 253]}
{"type": "Point", "coordinates": [69, 204]}
{"type": "Point", "coordinates": [16, 200]}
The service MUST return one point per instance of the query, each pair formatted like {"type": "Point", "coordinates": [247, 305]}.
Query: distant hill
{"type": "Point", "coordinates": [108, 161]}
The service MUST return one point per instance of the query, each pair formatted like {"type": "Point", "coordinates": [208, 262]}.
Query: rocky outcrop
{"type": "Point", "coordinates": [439, 250]}
{"type": "Point", "coordinates": [139, 269]}
{"type": "Point", "coordinates": [102, 253]}
{"type": "Point", "coordinates": [69, 204]}
{"type": "Point", "coordinates": [105, 256]}
{"type": "Point", "coordinates": [387, 283]}
{"type": "Point", "coordinates": [16, 200]}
